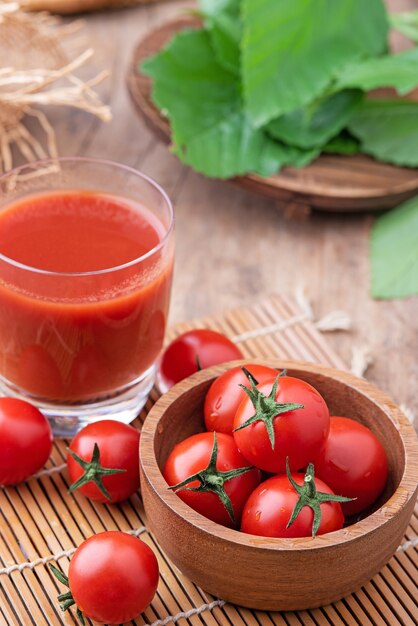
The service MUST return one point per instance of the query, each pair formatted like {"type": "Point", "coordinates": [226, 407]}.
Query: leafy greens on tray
{"type": "Point", "coordinates": [269, 83]}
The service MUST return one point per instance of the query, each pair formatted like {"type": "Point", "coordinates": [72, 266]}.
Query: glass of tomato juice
{"type": "Point", "coordinates": [86, 258]}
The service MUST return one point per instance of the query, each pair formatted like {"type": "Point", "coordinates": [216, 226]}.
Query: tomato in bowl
{"type": "Point", "coordinates": [280, 573]}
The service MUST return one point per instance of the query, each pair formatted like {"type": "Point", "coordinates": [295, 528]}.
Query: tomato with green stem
{"type": "Point", "coordinates": [208, 473]}
{"type": "Point", "coordinates": [25, 440]}
{"type": "Point", "coordinates": [226, 393]}
{"type": "Point", "coordinates": [112, 578]}
{"type": "Point", "coordinates": [196, 349]}
{"type": "Point", "coordinates": [285, 417]}
{"type": "Point", "coordinates": [293, 505]}
{"type": "Point", "coordinates": [103, 461]}
{"type": "Point", "coordinates": [353, 461]}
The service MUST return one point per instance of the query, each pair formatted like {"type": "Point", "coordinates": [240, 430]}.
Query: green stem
{"type": "Point", "coordinates": [65, 596]}
{"type": "Point", "coordinates": [250, 377]}
{"type": "Point", "coordinates": [59, 575]}
{"type": "Point", "coordinates": [93, 472]}
{"type": "Point", "coordinates": [212, 480]}
{"type": "Point", "coordinates": [64, 606]}
{"type": "Point", "coordinates": [310, 496]}
{"type": "Point", "coordinates": [66, 599]}
{"type": "Point", "coordinates": [266, 407]}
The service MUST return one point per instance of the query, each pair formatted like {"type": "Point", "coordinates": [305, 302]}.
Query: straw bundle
{"type": "Point", "coordinates": [35, 70]}
{"type": "Point", "coordinates": [79, 6]}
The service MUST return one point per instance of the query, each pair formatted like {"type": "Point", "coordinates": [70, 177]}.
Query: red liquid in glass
{"type": "Point", "coordinates": [68, 336]}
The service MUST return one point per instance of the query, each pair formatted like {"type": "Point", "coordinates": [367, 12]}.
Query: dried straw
{"type": "Point", "coordinates": [35, 70]}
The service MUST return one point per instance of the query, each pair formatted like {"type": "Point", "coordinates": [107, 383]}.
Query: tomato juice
{"type": "Point", "coordinates": [84, 292]}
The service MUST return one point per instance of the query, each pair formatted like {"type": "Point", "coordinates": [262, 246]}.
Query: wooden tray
{"type": "Point", "coordinates": [40, 522]}
{"type": "Point", "coordinates": [67, 7]}
{"type": "Point", "coordinates": [330, 183]}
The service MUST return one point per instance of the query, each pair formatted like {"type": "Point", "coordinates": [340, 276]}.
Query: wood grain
{"type": "Point", "coordinates": [333, 183]}
{"type": "Point", "coordinates": [68, 7]}
{"type": "Point", "coordinates": [279, 574]}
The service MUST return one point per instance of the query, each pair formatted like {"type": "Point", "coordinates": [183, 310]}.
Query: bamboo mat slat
{"type": "Point", "coordinates": [41, 522]}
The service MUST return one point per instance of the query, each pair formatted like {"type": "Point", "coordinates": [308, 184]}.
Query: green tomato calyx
{"type": "Point", "coordinates": [93, 472]}
{"type": "Point", "coordinates": [66, 599]}
{"type": "Point", "coordinates": [309, 496]}
{"type": "Point", "coordinates": [249, 376]}
{"type": "Point", "coordinates": [212, 480]}
{"type": "Point", "coordinates": [266, 407]}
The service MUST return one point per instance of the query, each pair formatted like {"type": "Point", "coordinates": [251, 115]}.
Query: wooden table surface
{"type": "Point", "coordinates": [233, 246]}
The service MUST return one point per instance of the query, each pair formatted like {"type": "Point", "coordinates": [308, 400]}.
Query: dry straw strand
{"type": "Point", "coordinates": [43, 74]}
{"type": "Point", "coordinates": [333, 321]}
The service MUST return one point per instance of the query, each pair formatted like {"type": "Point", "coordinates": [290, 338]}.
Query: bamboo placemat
{"type": "Point", "coordinates": [40, 522]}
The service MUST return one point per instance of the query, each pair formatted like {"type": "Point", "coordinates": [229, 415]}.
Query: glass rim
{"type": "Point", "coordinates": [114, 164]}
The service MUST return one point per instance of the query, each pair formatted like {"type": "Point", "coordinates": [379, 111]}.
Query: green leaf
{"type": "Point", "coordinates": [343, 143]}
{"type": "Point", "coordinates": [211, 132]}
{"type": "Point", "coordinates": [316, 124]}
{"type": "Point", "coordinates": [388, 130]}
{"type": "Point", "coordinates": [406, 23]}
{"type": "Point", "coordinates": [291, 49]}
{"type": "Point", "coordinates": [234, 147]}
{"type": "Point", "coordinates": [182, 73]}
{"type": "Point", "coordinates": [223, 23]}
{"type": "Point", "coordinates": [397, 70]}
{"type": "Point", "coordinates": [394, 252]}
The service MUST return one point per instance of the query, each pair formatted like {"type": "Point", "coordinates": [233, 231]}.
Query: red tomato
{"type": "Point", "coordinates": [353, 462]}
{"type": "Point", "coordinates": [192, 456]}
{"type": "Point", "coordinates": [269, 509]}
{"type": "Point", "coordinates": [298, 434]}
{"type": "Point", "coordinates": [113, 577]}
{"type": "Point", "coordinates": [25, 440]}
{"type": "Point", "coordinates": [118, 446]}
{"type": "Point", "coordinates": [181, 357]}
{"type": "Point", "coordinates": [225, 395]}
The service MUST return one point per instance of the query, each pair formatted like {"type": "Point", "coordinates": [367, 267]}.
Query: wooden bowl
{"type": "Point", "coordinates": [330, 183]}
{"type": "Point", "coordinates": [279, 574]}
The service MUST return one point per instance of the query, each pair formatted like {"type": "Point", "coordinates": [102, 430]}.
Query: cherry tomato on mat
{"type": "Point", "coordinates": [25, 440]}
{"type": "Point", "coordinates": [291, 420]}
{"type": "Point", "coordinates": [196, 349]}
{"type": "Point", "coordinates": [292, 505]}
{"type": "Point", "coordinates": [354, 462]}
{"type": "Point", "coordinates": [103, 461]}
{"type": "Point", "coordinates": [217, 473]}
{"type": "Point", "coordinates": [225, 394]}
{"type": "Point", "coordinates": [112, 578]}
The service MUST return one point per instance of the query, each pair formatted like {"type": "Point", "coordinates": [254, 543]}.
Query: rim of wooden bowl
{"type": "Point", "coordinates": [397, 501]}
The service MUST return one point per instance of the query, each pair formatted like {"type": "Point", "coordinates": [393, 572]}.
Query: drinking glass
{"type": "Point", "coordinates": [83, 345]}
